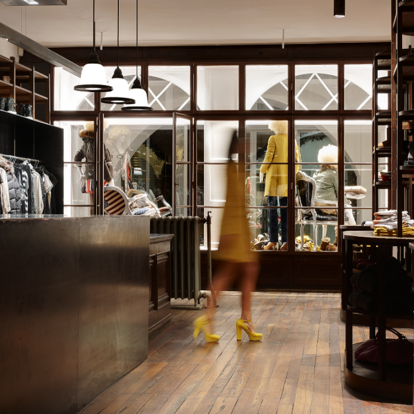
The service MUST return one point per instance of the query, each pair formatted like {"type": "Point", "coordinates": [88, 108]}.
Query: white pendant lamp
{"type": "Point", "coordinates": [120, 92]}
{"type": "Point", "coordinates": [93, 78]}
{"type": "Point", "coordinates": [136, 92]}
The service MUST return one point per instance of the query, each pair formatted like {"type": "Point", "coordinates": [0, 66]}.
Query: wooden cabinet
{"type": "Point", "coordinates": [159, 282]}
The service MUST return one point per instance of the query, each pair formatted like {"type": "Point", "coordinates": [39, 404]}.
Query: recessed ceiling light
{"type": "Point", "coordinates": [31, 2]}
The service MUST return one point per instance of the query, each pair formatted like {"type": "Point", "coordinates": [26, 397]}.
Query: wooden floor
{"type": "Point", "coordinates": [297, 368]}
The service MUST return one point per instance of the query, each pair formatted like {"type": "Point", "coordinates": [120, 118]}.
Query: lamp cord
{"type": "Point", "coordinates": [94, 48]}
{"type": "Point", "coordinates": [136, 51]}
{"type": "Point", "coordinates": [118, 36]}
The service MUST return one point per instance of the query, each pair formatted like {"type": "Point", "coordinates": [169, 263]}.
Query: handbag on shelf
{"type": "Point", "coordinates": [398, 351]}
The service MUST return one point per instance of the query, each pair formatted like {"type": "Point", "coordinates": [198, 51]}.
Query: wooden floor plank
{"type": "Point", "coordinates": [298, 367]}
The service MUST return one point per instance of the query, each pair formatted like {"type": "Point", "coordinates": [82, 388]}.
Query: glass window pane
{"type": "Point", "coordinates": [267, 88]}
{"type": "Point", "coordinates": [216, 218]}
{"type": "Point", "coordinates": [129, 73]}
{"type": "Point", "coordinates": [358, 141]}
{"type": "Point", "coordinates": [315, 238]}
{"type": "Point", "coordinates": [77, 211]}
{"type": "Point", "coordinates": [66, 98]}
{"type": "Point", "coordinates": [311, 136]}
{"type": "Point", "coordinates": [183, 144]}
{"type": "Point", "coordinates": [169, 88]}
{"type": "Point", "coordinates": [362, 215]}
{"type": "Point", "coordinates": [217, 88]}
{"type": "Point", "coordinates": [183, 185]}
{"type": "Point", "coordinates": [72, 192]}
{"type": "Point", "coordinates": [358, 87]}
{"type": "Point", "coordinates": [213, 140]}
{"type": "Point", "coordinates": [258, 134]}
{"type": "Point", "coordinates": [316, 87]}
{"type": "Point", "coordinates": [211, 185]}
{"type": "Point", "coordinates": [358, 176]}
{"type": "Point", "coordinates": [141, 152]}
{"type": "Point", "coordinates": [183, 212]}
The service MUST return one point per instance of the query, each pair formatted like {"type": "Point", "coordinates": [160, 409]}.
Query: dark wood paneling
{"type": "Point", "coordinates": [73, 309]}
{"type": "Point", "coordinates": [311, 271]}
{"type": "Point", "coordinates": [160, 293]}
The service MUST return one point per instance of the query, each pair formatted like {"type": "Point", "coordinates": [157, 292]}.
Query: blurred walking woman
{"type": "Point", "coordinates": [236, 260]}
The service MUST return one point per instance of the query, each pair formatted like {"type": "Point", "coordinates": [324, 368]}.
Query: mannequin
{"type": "Point", "coordinates": [276, 189]}
{"type": "Point", "coordinates": [118, 142]}
{"type": "Point", "coordinates": [87, 152]}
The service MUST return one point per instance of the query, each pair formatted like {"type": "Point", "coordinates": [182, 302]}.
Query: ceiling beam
{"type": "Point", "coordinates": [38, 50]}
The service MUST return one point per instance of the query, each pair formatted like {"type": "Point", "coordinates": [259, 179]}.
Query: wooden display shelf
{"type": "Point", "coordinates": [384, 81]}
{"type": "Point", "coordinates": [384, 88]}
{"type": "Point", "coordinates": [383, 185]}
{"type": "Point", "coordinates": [409, 317]}
{"type": "Point", "coordinates": [406, 3]}
{"type": "Point", "coordinates": [398, 386]}
{"type": "Point", "coordinates": [382, 152]}
{"type": "Point", "coordinates": [407, 169]}
{"type": "Point", "coordinates": [407, 114]}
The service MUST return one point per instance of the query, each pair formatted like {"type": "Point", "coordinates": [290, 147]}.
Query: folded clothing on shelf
{"type": "Point", "coordinates": [388, 220]}
{"type": "Point", "coordinates": [385, 176]}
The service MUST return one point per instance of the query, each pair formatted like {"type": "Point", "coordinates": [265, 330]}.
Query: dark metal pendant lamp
{"type": "Point", "coordinates": [136, 92]}
{"type": "Point", "coordinates": [93, 78]}
{"type": "Point", "coordinates": [339, 8]}
{"type": "Point", "coordinates": [120, 93]}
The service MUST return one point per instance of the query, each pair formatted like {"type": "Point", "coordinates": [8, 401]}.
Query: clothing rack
{"type": "Point", "coordinates": [19, 158]}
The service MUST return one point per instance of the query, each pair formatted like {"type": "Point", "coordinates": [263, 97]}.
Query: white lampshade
{"type": "Point", "coordinates": [120, 92]}
{"type": "Point", "coordinates": [139, 96]}
{"type": "Point", "coordinates": [93, 79]}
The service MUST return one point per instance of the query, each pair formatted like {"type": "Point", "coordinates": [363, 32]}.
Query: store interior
{"type": "Point", "coordinates": [116, 119]}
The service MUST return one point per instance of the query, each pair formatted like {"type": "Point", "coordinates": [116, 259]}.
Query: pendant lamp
{"type": "Point", "coordinates": [93, 78]}
{"type": "Point", "coordinates": [339, 8]}
{"type": "Point", "coordinates": [120, 92]}
{"type": "Point", "coordinates": [136, 92]}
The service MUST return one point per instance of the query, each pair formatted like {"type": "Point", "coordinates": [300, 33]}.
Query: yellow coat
{"type": "Point", "coordinates": [277, 174]}
{"type": "Point", "coordinates": [235, 237]}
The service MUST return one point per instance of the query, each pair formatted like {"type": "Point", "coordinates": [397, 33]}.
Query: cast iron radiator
{"type": "Point", "coordinates": [185, 253]}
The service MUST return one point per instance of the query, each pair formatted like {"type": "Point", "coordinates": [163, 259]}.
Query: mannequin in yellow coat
{"type": "Point", "coordinates": [276, 188]}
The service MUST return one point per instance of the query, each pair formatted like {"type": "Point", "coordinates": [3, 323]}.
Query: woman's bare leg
{"type": "Point", "coordinates": [248, 285]}
{"type": "Point", "coordinates": [221, 282]}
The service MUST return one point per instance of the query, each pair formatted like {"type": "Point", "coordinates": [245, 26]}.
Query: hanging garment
{"type": "Point", "coordinates": [21, 176]}
{"type": "Point", "coordinates": [37, 193]}
{"type": "Point", "coordinates": [5, 200]}
{"type": "Point", "coordinates": [27, 182]}
{"type": "Point", "coordinates": [14, 194]}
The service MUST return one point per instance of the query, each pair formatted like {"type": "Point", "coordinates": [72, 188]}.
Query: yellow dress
{"type": "Point", "coordinates": [235, 237]}
{"type": "Point", "coordinates": [277, 174]}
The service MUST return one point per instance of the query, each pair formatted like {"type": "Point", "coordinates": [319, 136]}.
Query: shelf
{"type": "Point", "coordinates": [407, 23]}
{"type": "Point", "coordinates": [407, 114]}
{"type": "Point", "coordinates": [6, 87]}
{"type": "Point", "coordinates": [406, 3]}
{"type": "Point", "coordinates": [406, 169]}
{"type": "Point", "coordinates": [383, 151]}
{"type": "Point", "coordinates": [384, 121]}
{"type": "Point", "coordinates": [384, 81]}
{"type": "Point", "coordinates": [40, 98]}
{"type": "Point", "coordinates": [388, 316]}
{"type": "Point", "coordinates": [383, 185]}
{"type": "Point", "coordinates": [384, 88]}
{"type": "Point", "coordinates": [383, 114]}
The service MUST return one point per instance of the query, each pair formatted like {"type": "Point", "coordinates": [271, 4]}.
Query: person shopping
{"type": "Point", "coordinates": [236, 260]}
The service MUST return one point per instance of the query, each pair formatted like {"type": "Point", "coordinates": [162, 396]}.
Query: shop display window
{"type": "Point", "coordinates": [217, 88]}
{"type": "Point", "coordinates": [316, 87]}
{"type": "Point", "coordinates": [169, 88]}
{"type": "Point", "coordinates": [267, 87]}
{"type": "Point", "coordinates": [358, 87]}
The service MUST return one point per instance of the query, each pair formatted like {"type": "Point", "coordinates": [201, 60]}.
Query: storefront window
{"type": "Point", "coordinates": [267, 87]}
{"type": "Point", "coordinates": [317, 185]}
{"type": "Point", "coordinates": [266, 183]}
{"type": "Point", "coordinates": [217, 88]}
{"type": "Point", "coordinates": [316, 87]}
{"type": "Point", "coordinates": [169, 88]}
{"type": "Point", "coordinates": [358, 87]}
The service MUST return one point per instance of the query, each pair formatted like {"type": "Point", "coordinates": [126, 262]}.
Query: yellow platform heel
{"type": "Point", "coordinates": [241, 324]}
{"type": "Point", "coordinates": [200, 324]}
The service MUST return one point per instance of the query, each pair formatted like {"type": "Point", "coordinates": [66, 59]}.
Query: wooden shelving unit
{"type": "Point", "coordinates": [380, 118]}
{"type": "Point", "coordinates": [22, 84]}
{"type": "Point", "coordinates": [403, 24]}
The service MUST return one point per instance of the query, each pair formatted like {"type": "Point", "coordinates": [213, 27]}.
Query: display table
{"type": "Point", "coordinates": [159, 282]}
{"type": "Point", "coordinates": [73, 309]}
{"type": "Point", "coordinates": [380, 379]}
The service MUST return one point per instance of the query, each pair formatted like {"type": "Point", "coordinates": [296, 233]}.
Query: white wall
{"type": "Point", "coordinates": [8, 49]}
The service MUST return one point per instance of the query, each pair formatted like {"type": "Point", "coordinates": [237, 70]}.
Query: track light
{"type": "Point", "coordinates": [339, 8]}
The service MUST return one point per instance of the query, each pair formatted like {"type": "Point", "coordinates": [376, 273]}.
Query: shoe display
{"type": "Point", "coordinates": [284, 246]}
{"type": "Point", "coordinates": [241, 325]}
{"type": "Point", "coordinates": [270, 246]}
{"type": "Point", "coordinates": [10, 105]}
{"type": "Point", "coordinates": [200, 324]}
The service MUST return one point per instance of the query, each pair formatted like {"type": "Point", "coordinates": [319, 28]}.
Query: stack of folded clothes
{"type": "Point", "coordinates": [399, 298]}
{"type": "Point", "coordinates": [385, 223]}
{"type": "Point", "coordinates": [384, 176]}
